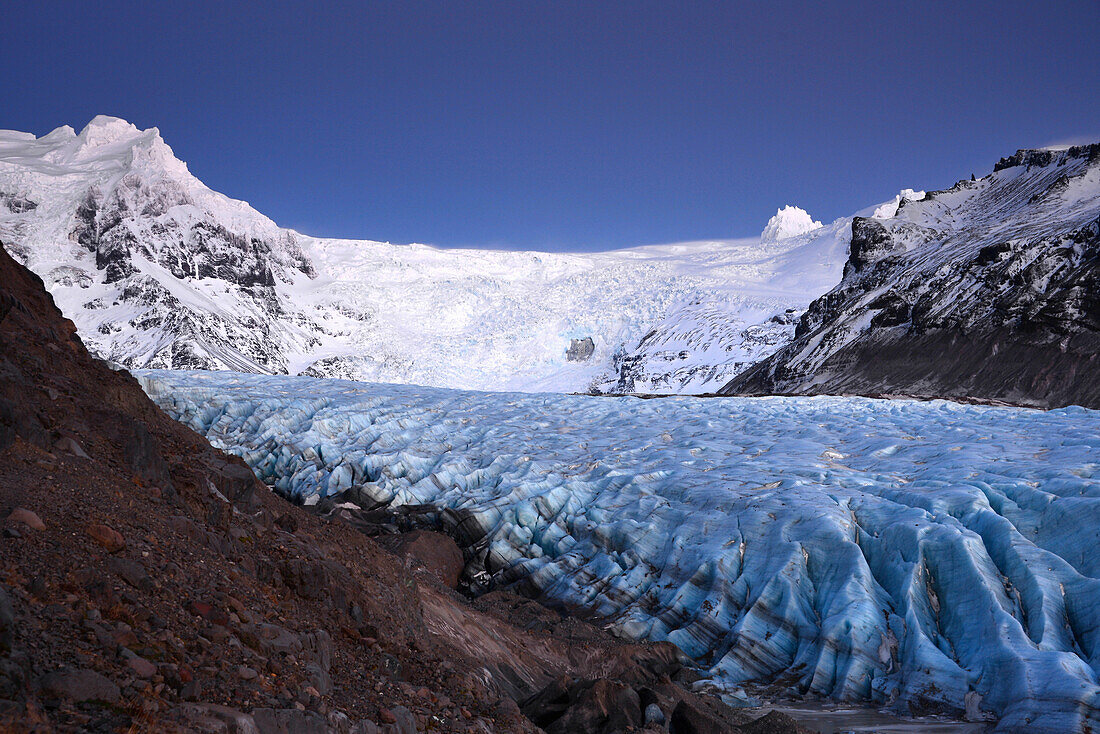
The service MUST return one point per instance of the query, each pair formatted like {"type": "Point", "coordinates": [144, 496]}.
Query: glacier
{"type": "Point", "coordinates": [922, 556]}
{"type": "Point", "coordinates": [159, 271]}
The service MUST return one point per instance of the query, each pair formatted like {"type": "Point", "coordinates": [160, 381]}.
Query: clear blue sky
{"type": "Point", "coordinates": [562, 126]}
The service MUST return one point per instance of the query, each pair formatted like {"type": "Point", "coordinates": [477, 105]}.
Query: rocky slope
{"type": "Point", "coordinates": [988, 290]}
{"type": "Point", "coordinates": [151, 583]}
{"type": "Point", "coordinates": [157, 270]}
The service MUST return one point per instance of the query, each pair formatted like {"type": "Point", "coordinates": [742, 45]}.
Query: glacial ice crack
{"type": "Point", "coordinates": [929, 556]}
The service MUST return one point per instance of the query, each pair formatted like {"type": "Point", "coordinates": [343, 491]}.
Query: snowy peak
{"type": "Point", "coordinates": [157, 270]}
{"type": "Point", "coordinates": [790, 221]}
{"type": "Point", "coordinates": [106, 130]}
{"type": "Point", "coordinates": [153, 266]}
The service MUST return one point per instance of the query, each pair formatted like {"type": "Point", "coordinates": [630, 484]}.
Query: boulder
{"type": "Point", "coordinates": [79, 685]}
{"type": "Point", "coordinates": [598, 706]}
{"type": "Point", "coordinates": [289, 721]}
{"type": "Point", "coordinates": [28, 518]}
{"type": "Point", "coordinates": [210, 718]}
{"type": "Point", "coordinates": [404, 721]}
{"type": "Point", "coordinates": [107, 537]}
{"type": "Point", "coordinates": [142, 667]}
{"type": "Point", "coordinates": [130, 571]}
{"type": "Point", "coordinates": [580, 349]}
{"type": "Point", "coordinates": [438, 553]}
{"type": "Point", "coordinates": [687, 718]}
{"type": "Point", "coordinates": [69, 445]}
{"type": "Point", "coordinates": [210, 612]}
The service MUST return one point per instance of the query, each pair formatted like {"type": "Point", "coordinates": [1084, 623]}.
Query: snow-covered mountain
{"type": "Point", "coordinates": [990, 289]}
{"type": "Point", "coordinates": [157, 270]}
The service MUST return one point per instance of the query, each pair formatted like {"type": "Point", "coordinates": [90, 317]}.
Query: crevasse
{"type": "Point", "coordinates": [909, 554]}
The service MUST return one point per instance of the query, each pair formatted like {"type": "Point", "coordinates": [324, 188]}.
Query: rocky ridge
{"type": "Point", "coordinates": [987, 290]}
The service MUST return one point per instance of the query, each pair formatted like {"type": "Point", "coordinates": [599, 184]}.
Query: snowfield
{"type": "Point", "coordinates": [159, 271]}
{"type": "Point", "coordinates": [923, 556]}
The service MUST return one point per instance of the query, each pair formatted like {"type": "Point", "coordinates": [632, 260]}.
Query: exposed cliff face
{"type": "Point", "coordinates": [990, 290]}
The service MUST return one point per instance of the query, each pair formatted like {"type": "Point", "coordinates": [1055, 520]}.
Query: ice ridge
{"type": "Point", "coordinates": [921, 556]}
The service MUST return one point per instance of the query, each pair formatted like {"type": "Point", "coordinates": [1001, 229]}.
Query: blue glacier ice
{"type": "Point", "coordinates": [918, 555]}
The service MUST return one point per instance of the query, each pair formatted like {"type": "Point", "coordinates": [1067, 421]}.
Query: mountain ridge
{"type": "Point", "coordinates": [157, 270]}
{"type": "Point", "coordinates": [983, 290]}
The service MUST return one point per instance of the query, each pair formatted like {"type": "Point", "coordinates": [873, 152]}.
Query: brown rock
{"type": "Point", "coordinates": [404, 720]}
{"type": "Point", "coordinates": [68, 445]}
{"type": "Point", "coordinates": [79, 685]}
{"type": "Point", "coordinates": [125, 637]}
{"type": "Point", "coordinates": [208, 717]}
{"type": "Point", "coordinates": [690, 719]}
{"type": "Point", "coordinates": [142, 667]}
{"type": "Point", "coordinates": [209, 612]}
{"type": "Point", "coordinates": [438, 553]}
{"type": "Point", "coordinates": [107, 537]}
{"type": "Point", "coordinates": [592, 706]}
{"type": "Point", "coordinates": [28, 518]}
{"type": "Point", "coordinates": [289, 721]}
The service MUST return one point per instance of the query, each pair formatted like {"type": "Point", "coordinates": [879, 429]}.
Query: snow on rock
{"type": "Point", "coordinates": [790, 221]}
{"type": "Point", "coordinates": [890, 208]}
{"type": "Point", "coordinates": [159, 271]}
{"type": "Point", "coordinates": [988, 289]}
{"type": "Point", "coordinates": [924, 556]}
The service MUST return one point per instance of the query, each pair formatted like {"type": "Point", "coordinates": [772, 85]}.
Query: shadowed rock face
{"type": "Point", "coordinates": [989, 290]}
{"type": "Point", "coordinates": [580, 349]}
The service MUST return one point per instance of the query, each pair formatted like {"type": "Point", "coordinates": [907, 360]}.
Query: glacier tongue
{"type": "Point", "coordinates": [925, 556]}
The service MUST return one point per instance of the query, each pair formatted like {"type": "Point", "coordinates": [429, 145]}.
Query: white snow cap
{"type": "Point", "coordinates": [890, 208]}
{"type": "Point", "coordinates": [790, 221]}
{"type": "Point", "coordinates": [105, 130]}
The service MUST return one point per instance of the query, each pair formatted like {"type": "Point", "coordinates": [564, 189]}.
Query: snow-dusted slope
{"type": "Point", "coordinates": [702, 342]}
{"type": "Point", "coordinates": [924, 556]}
{"type": "Point", "coordinates": [157, 270]}
{"type": "Point", "coordinates": [989, 289]}
{"type": "Point", "coordinates": [153, 267]}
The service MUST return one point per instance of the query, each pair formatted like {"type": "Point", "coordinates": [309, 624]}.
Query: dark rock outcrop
{"type": "Point", "coordinates": [989, 290]}
{"type": "Point", "coordinates": [436, 552]}
{"type": "Point", "coordinates": [580, 349]}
